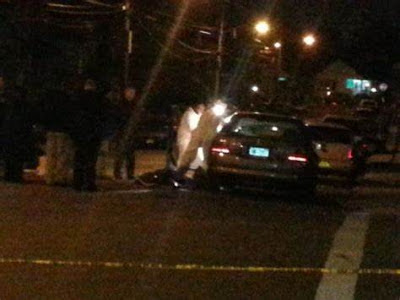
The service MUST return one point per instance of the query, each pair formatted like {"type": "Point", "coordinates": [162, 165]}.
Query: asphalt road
{"type": "Point", "coordinates": [163, 243]}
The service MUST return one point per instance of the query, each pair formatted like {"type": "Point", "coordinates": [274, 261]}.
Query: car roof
{"type": "Point", "coordinates": [326, 125]}
{"type": "Point", "coordinates": [368, 100]}
{"type": "Point", "coordinates": [276, 117]}
{"type": "Point", "coordinates": [350, 118]}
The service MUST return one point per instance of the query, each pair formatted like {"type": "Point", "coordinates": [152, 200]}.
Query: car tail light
{"type": "Point", "coordinates": [298, 158]}
{"type": "Point", "coordinates": [223, 150]}
{"type": "Point", "coordinates": [350, 154]}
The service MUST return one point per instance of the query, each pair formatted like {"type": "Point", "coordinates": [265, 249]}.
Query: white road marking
{"type": "Point", "coordinates": [346, 253]}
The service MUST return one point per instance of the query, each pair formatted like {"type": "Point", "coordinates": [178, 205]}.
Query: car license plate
{"type": "Point", "coordinates": [259, 152]}
{"type": "Point", "coordinates": [324, 164]}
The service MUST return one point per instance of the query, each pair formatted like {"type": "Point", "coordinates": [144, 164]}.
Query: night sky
{"type": "Point", "coordinates": [363, 33]}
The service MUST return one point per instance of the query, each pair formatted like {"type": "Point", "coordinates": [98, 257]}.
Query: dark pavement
{"type": "Point", "coordinates": [133, 242]}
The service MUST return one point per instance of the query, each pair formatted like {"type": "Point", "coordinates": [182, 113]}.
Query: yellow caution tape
{"type": "Point", "coordinates": [197, 267]}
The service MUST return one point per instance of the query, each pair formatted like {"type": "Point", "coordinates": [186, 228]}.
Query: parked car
{"type": "Point", "coordinates": [338, 153]}
{"type": "Point", "coordinates": [264, 150]}
{"type": "Point", "coordinates": [365, 131]}
{"type": "Point", "coordinates": [152, 132]}
{"type": "Point", "coordinates": [367, 104]}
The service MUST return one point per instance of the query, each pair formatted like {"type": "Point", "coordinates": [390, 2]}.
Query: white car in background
{"type": "Point", "coordinates": [367, 104]}
{"type": "Point", "coordinates": [335, 147]}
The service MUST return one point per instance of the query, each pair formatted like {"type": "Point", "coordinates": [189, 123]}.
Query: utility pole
{"type": "Point", "coordinates": [218, 71]}
{"type": "Point", "coordinates": [129, 38]}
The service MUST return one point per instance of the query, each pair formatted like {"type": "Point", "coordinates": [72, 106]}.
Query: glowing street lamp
{"type": "Point", "coordinates": [278, 47]}
{"type": "Point", "coordinates": [262, 27]}
{"type": "Point", "coordinates": [255, 89]}
{"type": "Point", "coordinates": [309, 40]}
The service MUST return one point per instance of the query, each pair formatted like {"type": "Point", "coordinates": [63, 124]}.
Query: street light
{"type": "Point", "coordinates": [262, 27]}
{"type": "Point", "coordinates": [278, 47]}
{"type": "Point", "coordinates": [309, 40]}
{"type": "Point", "coordinates": [255, 88]}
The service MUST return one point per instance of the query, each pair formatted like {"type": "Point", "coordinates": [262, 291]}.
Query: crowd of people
{"type": "Point", "coordinates": [88, 114]}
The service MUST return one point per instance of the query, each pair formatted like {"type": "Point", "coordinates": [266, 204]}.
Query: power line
{"type": "Point", "coordinates": [102, 4]}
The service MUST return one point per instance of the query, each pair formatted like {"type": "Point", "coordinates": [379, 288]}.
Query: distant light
{"type": "Point", "coordinates": [219, 108]}
{"type": "Point", "coordinates": [262, 27]}
{"type": "Point", "coordinates": [309, 40]}
{"type": "Point", "coordinates": [374, 90]}
{"type": "Point", "coordinates": [124, 7]}
{"type": "Point", "coordinates": [255, 89]}
{"type": "Point", "coordinates": [228, 119]}
{"type": "Point", "coordinates": [274, 128]}
{"type": "Point", "coordinates": [205, 32]}
{"type": "Point", "coordinates": [328, 93]}
{"type": "Point", "coordinates": [277, 45]}
{"type": "Point", "coordinates": [383, 87]}
{"type": "Point", "coordinates": [282, 79]}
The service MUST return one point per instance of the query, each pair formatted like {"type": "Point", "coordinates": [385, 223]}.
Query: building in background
{"type": "Point", "coordinates": [339, 78]}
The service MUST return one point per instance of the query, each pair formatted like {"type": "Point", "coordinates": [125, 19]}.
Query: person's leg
{"type": "Point", "coordinates": [118, 157]}
{"type": "Point", "coordinates": [13, 170]}
{"type": "Point", "coordinates": [18, 171]}
{"type": "Point", "coordinates": [79, 165]}
{"type": "Point", "coordinates": [130, 164]}
{"type": "Point", "coordinates": [90, 172]}
{"type": "Point", "coordinates": [118, 162]}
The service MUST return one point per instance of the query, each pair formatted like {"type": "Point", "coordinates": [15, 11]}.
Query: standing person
{"type": "Point", "coordinates": [127, 155]}
{"type": "Point", "coordinates": [2, 89]}
{"type": "Point", "coordinates": [188, 124]}
{"type": "Point", "coordinates": [203, 136]}
{"type": "Point", "coordinates": [3, 100]}
{"type": "Point", "coordinates": [17, 134]}
{"type": "Point", "coordinates": [87, 135]}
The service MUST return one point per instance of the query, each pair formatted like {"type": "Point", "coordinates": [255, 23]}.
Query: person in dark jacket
{"type": "Point", "coordinates": [87, 135]}
{"type": "Point", "coordinates": [125, 153]}
{"type": "Point", "coordinates": [3, 100]}
{"type": "Point", "coordinates": [17, 134]}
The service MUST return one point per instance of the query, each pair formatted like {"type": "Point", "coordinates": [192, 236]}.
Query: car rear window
{"type": "Point", "coordinates": [329, 135]}
{"type": "Point", "coordinates": [278, 130]}
{"type": "Point", "coordinates": [368, 103]}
